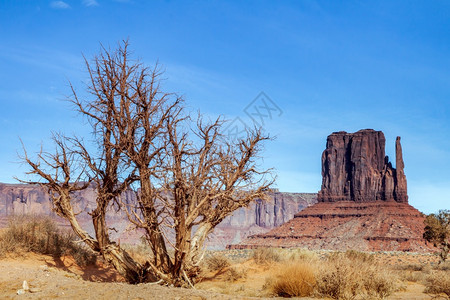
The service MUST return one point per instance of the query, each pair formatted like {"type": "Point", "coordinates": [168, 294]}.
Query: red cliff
{"type": "Point", "coordinates": [355, 168]}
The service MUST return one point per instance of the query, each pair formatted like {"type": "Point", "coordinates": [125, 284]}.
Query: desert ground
{"type": "Point", "coordinates": [244, 275]}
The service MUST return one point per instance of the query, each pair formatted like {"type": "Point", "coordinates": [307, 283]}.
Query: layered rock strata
{"type": "Point", "coordinates": [259, 217]}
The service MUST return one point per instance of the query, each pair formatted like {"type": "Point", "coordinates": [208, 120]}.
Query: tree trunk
{"type": "Point", "coordinates": [154, 234]}
{"type": "Point", "coordinates": [197, 243]}
{"type": "Point", "coordinates": [127, 267]}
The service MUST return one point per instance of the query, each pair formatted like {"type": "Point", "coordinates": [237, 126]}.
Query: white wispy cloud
{"type": "Point", "coordinates": [90, 3]}
{"type": "Point", "coordinates": [59, 5]}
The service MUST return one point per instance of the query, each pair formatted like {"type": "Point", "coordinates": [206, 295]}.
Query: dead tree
{"type": "Point", "coordinates": [187, 180]}
{"type": "Point", "coordinates": [201, 179]}
{"type": "Point", "coordinates": [123, 96]}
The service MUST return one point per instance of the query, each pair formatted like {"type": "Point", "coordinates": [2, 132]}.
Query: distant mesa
{"type": "Point", "coordinates": [362, 204]}
{"type": "Point", "coordinates": [259, 217]}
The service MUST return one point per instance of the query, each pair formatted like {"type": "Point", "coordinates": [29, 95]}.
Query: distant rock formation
{"type": "Point", "coordinates": [362, 205]}
{"type": "Point", "coordinates": [259, 217]}
{"type": "Point", "coordinates": [355, 168]}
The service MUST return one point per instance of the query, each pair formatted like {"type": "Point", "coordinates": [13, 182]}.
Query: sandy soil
{"type": "Point", "coordinates": [63, 279]}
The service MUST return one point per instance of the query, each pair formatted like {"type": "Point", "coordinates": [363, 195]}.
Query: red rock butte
{"type": "Point", "coordinates": [362, 204]}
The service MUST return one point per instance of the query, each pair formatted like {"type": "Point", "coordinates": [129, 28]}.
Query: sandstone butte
{"type": "Point", "coordinates": [362, 204]}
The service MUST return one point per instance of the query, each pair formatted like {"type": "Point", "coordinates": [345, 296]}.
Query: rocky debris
{"type": "Point", "coordinates": [26, 289]}
{"type": "Point", "coordinates": [25, 286]}
{"type": "Point", "coordinates": [20, 292]}
{"type": "Point", "coordinates": [355, 168]}
{"type": "Point", "coordinates": [363, 203]}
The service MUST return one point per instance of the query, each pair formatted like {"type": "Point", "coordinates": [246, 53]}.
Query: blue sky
{"type": "Point", "coordinates": [328, 66]}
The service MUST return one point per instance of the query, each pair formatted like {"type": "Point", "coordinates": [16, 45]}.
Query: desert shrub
{"type": "Point", "coordinates": [380, 283]}
{"type": "Point", "coordinates": [263, 256]}
{"type": "Point", "coordinates": [295, 280]}
{"type": "Point", "coordinates": [443, 266]}
{"type": "Point", "coordinates": [82, 255]}
{"type": "Point", "coordinates": [41, 235]}
{"type": "Point", "coordinates": [412, 272]}
{"type": "Point", "coordinates": [438, 282]}
{"type": "Point", "coordinates": [410, 267]}
{"type": "Point", "coordinates": [234, 274]}
{"type": "Point", "coordinates": [412, 276]}
{"type": "Point", "coordinates": [217, 263]}
{"type": "Point", "coordinates": [303, 255]}
{"type": "Point", "coordinates": [347, 276]}
{"type": "Point", "coordinates": [338, 279]}
{"type": "Point", "coordinates": [359, 256]}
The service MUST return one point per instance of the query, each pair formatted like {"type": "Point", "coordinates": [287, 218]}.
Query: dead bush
{"type": "Point", "coordinates": [338, 280]}
{"type": "Point", "coordinates": [443, 266]}
{"type": "Point", "coordinates": [303, 255]}
{"type": "Point", "coordinates": [410, 267]}
{"type": "Point", "coordinates": [234, 274]}
{"type": "Point", "coordinates": [263, 256]}
{"type": "Point", "coordinates": [379, 283]}
{"type": "Point", "coordinates": [41, 235]}
{"type": "Point", "coordinates": [412, 276]}
{"type": "Point", "coordinates": [348, 276]}
{"type": "Point", "coordinates": [438, 282]}
{"type": "Point", "coordinates": [360, 256]}
{"type": "Point", "coordinates": [217, 263]}
{"type": "Point", "coordinates": [295, 280]}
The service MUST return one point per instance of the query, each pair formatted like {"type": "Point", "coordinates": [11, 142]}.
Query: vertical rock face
{"type": "Point", "coordinates": [355, 168]}
{"type": "Point", "coordinates": [259, 217]}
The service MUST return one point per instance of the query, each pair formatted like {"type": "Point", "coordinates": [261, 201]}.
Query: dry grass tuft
{"type": "Point", "coordinates": [359, 256]}
{"type": "Point", "coordinates": [300, 254]}
{"type": "Point", "coordinates": [217, 263]}
{"type": "Point", "coordinates": [347, 276]}
{"type": "Point", "coordinates": [234, 274]}
{"type": "Point", "coordinates": [295, 280]}
{"type": "Point", "coordinates": [438, 282]}
{"type": "Point", "coordinates": [264, 256]}
{"type": "Point", "coordinates": [443, 266]}
{"type": "Point", "coordinates": [41, 235]}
